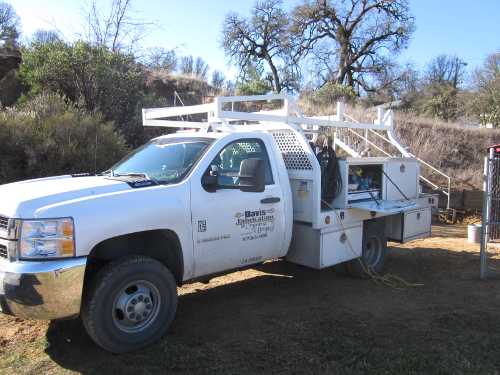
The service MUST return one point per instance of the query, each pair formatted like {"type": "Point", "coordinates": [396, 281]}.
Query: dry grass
{"type": "Point", "coordinates": [452, 147]}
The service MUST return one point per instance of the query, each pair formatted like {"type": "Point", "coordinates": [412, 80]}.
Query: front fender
{"type": "Point", "coordinates": [98, 218]}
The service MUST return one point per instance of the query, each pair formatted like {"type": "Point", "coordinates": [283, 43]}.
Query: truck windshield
{"type": "Point", "coordinates": [163, 160]}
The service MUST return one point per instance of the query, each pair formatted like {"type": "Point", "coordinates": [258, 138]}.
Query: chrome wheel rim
{"type": "Point", "coordinates": [136, 306]}
{"type": "Point", "coordinates": [373, 251]}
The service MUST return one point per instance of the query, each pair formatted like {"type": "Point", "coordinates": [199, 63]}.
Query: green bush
{"type": "Point", "coordinates": [330, 94]}
{"type": "Point", "coordinates": [440, 101]}
{"type": "Point", "coordinates": [47, 136]}
{"type": "Point", "coordinates": [94, 78]}
{"type": "Point", "coordinates": [254, 87]}
{"type": "Point", "coordinates": [252, 82]}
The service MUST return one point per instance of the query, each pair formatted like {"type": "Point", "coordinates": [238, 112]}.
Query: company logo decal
{"type": "Point", "coordinates": [255, 224]}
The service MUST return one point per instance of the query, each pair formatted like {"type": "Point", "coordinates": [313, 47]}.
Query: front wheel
{"type": "Point", "coordinates": [130, 304]}
{"type": "Point", "coordinates": [373, 253]}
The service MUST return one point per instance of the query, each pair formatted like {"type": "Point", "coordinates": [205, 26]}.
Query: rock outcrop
{"type": "Point", "coordinates": [9, 59]}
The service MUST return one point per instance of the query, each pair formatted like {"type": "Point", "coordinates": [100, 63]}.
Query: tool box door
{"type": "Point", "coordinates": [409, 226]}
{"type": "Point", "coordinates": [386, 207]}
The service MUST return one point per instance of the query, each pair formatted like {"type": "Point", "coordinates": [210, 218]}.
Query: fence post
{"type": "Point", "coordinates": [483, 255]}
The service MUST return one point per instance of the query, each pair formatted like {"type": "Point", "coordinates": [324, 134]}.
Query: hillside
{"type": "Point", "coordinates": [455, 149]}
{"type": "Point", "coordinates": [190, 89]}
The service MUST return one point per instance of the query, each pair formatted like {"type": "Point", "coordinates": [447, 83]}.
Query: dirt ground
{"type": "Point", "coordinates": [283, 318]}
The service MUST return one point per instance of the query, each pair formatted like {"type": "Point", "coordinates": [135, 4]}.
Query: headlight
{"type": "Point", "coordinates": [52, 238]}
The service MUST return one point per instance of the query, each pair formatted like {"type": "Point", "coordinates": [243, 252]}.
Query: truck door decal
{"type": "Point", "coordinates": [255, 224]}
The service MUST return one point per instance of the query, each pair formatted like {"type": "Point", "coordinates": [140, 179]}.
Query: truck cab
{"type": "Point", "coordinates": [237, 189]}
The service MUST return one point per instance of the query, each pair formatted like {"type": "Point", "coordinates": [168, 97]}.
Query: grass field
{"type": "Point", "coordinates": [282, 318]}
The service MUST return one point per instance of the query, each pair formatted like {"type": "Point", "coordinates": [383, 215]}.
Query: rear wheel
{"type": "Point", "coordinates": [130, 304]}
{"type": "Point", "coordinates": [373, 253]}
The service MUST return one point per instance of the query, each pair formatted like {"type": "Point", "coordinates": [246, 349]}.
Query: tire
{"type": "Point", "coordinates": [129, 304]}
{"type": "Point", "coordinates": [373, 253]}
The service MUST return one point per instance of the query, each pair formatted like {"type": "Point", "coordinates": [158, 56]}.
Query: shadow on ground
{"type": "Point", "coordinates": [282, 318]}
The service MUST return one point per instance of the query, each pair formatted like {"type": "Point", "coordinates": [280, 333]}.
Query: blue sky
{"type": "Point", "coordinates": [469, 29]}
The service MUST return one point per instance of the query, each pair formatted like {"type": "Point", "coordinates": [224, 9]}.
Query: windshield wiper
{"type": "Point", "coordinates": [135, 174]}
{"type": "Point", "coordinates": [131, 174]}
{"type": "Point", "coordinates": [109, 172]}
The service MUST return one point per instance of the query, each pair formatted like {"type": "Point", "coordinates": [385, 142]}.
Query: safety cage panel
{"type": "Point", "coordinates": [292, 151]}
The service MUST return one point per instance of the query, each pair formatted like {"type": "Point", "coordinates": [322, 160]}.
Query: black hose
{"type": "Point", "coordinates": [331, 180]}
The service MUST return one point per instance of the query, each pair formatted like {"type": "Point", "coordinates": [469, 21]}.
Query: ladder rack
{"type": "Point", "coordinates": [222, 116]}
{"type": "Point", "coordinates": [219, 115]}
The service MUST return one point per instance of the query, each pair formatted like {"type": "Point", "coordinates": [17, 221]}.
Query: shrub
{"type": "Point", "coordinates": [10, 89]}
{"type": "Point", "coordinates": [92, 77]}
{"type": "Point", "coordinates": [47, 136]}
{"type": "Point", "coordinates": [440, 101]}
{"type": "Point", "coordinates": [255, 87]}
{"type": "Point", "coordinates": [329, 94]}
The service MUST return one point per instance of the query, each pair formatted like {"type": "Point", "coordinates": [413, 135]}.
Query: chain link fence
{"type": "Point", "coordinates": [491, 207]}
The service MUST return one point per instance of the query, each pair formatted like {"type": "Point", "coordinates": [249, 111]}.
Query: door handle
{"type": "Point", "coordinates": [270, 200]}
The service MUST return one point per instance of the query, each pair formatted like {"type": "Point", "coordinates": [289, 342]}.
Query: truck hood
{"type": "Point", "coordinates": [22, 199]}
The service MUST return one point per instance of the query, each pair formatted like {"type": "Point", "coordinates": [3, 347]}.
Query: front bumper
{"type": "Point", "coordinates": [42, 290]}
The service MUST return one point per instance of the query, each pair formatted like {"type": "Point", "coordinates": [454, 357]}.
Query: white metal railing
{"type": "Point", "coordinates": [446, 191]}
{"type": "Point", "coordinates": [370, 143]}
{"type": "Point", "coordinates": [221, 114]}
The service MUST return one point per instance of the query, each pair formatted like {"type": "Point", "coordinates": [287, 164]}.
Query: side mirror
{"type": "Point", "coordinates": [252, 175]}
{"type": "Point", "coordinates": [210, 180]}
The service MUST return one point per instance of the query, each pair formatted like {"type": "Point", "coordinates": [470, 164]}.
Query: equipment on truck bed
{"type": "Point", "coordinates": [331, 181]}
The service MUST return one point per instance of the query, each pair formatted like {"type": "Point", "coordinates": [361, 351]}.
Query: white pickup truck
{"type": "Point", "coordinates": [238, 189]}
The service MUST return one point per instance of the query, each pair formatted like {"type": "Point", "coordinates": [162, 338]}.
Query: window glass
{"type": "Point", "coordinates": [164, 160]}
{"type": "Point", "coordinates": [229, 160]}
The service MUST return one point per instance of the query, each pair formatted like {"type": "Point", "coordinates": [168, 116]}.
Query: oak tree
{"type": "Point", "coordinates": [351, 40]}
{"type": "Point", "coordinates": [260, 40]}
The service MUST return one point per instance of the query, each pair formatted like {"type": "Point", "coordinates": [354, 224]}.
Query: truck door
{"type": "Point", "coordinates": [233, 228]}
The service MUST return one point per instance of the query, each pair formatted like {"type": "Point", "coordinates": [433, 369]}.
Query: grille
{"type": "Point", "coordinates": [292, 151]}
{"type": "Point", "coordinates": [4, 221]}
{"type": "Point", "coordinates": [3, 252]}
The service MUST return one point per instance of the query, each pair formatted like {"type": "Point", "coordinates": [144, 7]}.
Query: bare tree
{"type": "Point", "coordinates": [397, 83]}
{"type": "Point", "coordinates": [489, 72]}
{"type": "Point", "coordinates": [445, 69]}
{"type": "Point", "coordinates": [260, 39]}
{"type": "Point", "coordinates": [200, 69]}
{"type": "Point", "coordinates": [187, 65]}
{"type": "Point", "coordinates": [351, 39]}
{"type": "Point", "coordinates": [117, 30]}
{"type": "Point", "coordinates": [45, 36]}
{"type": "Point", "coordinates": [162, 58]}
{"type": "Point", "coordinates": [486, 84]}
{"type": "Point", "coordinates": [9, 26]}
{"type": "Point", "coordinates": [194, 67]}
{"type": "Point", "coordinates": [218, 80]}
